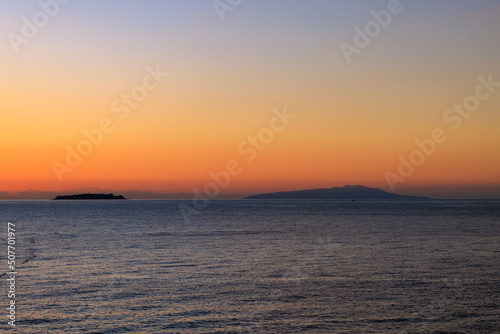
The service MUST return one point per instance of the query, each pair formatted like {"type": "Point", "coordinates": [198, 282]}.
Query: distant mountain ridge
{"type": "Point", "coordinates": [345, 192]}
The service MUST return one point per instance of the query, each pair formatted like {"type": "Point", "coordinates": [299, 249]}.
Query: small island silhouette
{"type": "Point", "coordinates": [88, 197]}
{"type": "Point", "coordinates": [346, 192]}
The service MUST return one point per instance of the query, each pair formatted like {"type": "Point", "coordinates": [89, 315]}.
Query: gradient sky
{"type": "Point", "coordinates": [353, 120]}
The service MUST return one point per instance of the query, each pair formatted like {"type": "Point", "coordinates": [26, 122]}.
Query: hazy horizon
{"type": "Point", "coordinates": [433, 192]}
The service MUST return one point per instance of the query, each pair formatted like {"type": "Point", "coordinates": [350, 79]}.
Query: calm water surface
{"type": "Point", "coordinates": [254, 267]}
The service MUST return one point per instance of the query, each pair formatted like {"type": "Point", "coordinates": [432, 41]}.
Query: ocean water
{"type": "Point", "coordinates": [254, 267]}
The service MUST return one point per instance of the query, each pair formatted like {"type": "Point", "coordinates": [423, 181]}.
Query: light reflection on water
{"type": "Point", "coordinates": [257, 267]}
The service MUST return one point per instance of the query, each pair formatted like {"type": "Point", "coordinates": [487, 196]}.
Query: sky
{"type": "Point", "coordinates": [231, 98]}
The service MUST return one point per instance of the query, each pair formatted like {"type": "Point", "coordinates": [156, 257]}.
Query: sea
{"type": "Point", "coordinates": [251, 266]}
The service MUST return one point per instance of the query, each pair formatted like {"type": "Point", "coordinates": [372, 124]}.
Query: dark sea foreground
{"type": "Point", "coordinates": [254, 267]}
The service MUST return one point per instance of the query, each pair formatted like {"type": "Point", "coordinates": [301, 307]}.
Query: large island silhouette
{"type": "Point", "coordinates": [88, 197]}
{"type": "Point", "coordinates": [346, 192]}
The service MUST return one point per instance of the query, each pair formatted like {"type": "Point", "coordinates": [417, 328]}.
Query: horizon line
{"type": "Point", "coordinates": [431, 191]}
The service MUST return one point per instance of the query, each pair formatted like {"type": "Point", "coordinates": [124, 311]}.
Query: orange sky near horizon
{"type": "Point", "coordinates": [352, 121]}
